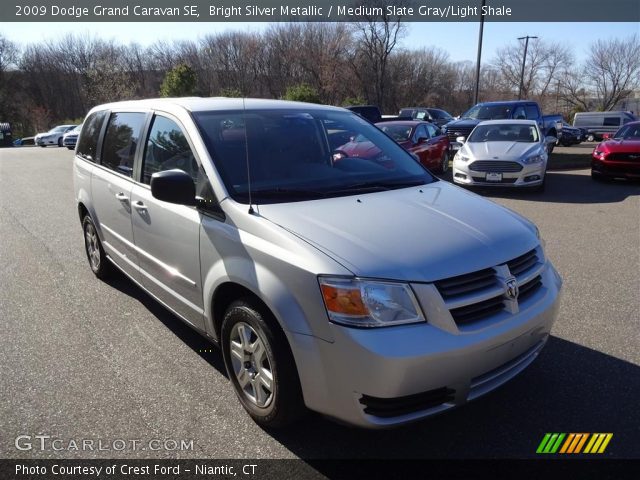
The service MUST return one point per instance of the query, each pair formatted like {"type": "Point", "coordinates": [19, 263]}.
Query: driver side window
{"type": "Point", "coordinates": [167, 148]}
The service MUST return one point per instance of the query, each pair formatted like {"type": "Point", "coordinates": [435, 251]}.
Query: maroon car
{"type": "Point", "coordinates": [618, 156]}
{"type": "Point", "coordinates": [423, 139]}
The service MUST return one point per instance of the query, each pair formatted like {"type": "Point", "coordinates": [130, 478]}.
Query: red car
{"type": "Point", "coordinates": [618, 156]}
{"type": "Point", "coordinates": [423, 139]}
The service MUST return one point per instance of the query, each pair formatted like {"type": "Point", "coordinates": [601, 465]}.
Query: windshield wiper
{"type": "Point", "coordinates": [288, 192]}
{"type": "Point", "coordinates": [378, 186]}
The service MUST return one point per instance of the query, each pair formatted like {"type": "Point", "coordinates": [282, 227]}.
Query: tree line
{"type": "Point", "coordinates": [45, 83]}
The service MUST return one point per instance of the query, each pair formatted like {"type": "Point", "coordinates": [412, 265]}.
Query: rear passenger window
{"type": "Point", "coordinates": [121, 140]}
{"type": "Point", "coordinates": [88, 141]}
{"type": "Point", "coordinates": [611, 121]}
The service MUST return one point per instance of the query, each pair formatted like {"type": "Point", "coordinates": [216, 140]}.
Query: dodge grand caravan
{"type": "Point", "coordinates": [363, 288]}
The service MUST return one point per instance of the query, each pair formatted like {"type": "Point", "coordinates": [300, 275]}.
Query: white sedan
{"type": "Point", "coordinates": [506, 153]}
{"type": "Point", "coordinates": [53, 136]}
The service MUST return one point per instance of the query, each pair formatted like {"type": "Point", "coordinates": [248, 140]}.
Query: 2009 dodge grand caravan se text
{"type": "Point", "coordinates": [360, 287]}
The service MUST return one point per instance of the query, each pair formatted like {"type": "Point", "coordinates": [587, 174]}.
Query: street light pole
{"type": "Point", "coordinates": [524, 61]}
{"type": "Point", "coordinates": [475, 96]}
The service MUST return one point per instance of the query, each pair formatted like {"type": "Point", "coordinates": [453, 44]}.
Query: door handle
{"type": "Point", "coordinates": [122, 197]}
{"type": "Point", "coordinates": [139, 205]}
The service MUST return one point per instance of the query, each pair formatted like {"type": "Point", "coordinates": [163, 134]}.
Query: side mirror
{"type": "Point", "coordinates": [421, 140]}
{"type": "Point", "coordinates": [460, 139]}
{"type": "Point", "coordinates": [174, 186]}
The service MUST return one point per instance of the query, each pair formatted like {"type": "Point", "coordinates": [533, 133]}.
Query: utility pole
{"type": "Point", "coordinates": [524, 61]}
{"type": "Point", "coordinates": [475, 96]}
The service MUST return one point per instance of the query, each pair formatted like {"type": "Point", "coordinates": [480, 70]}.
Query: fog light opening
{"type": "Point", "coordinates": [532, 178]}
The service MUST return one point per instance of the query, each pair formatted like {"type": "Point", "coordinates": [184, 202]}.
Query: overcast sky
{"type": "Point", "coordinates": [460, 40]}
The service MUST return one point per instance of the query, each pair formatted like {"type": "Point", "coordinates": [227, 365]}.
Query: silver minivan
{"type": "Point", "coordinates": [361, 287]}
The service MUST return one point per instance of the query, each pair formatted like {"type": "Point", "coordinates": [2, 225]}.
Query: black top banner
{"type": "Point", "coordinates": [319, 10]}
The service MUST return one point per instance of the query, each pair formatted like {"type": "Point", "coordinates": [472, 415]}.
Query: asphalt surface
{"type": "Point", "coordinates": [85, 359]}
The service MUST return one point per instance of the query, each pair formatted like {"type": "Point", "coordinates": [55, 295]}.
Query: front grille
{"type": "Point", "coordinates": [495, 166]}
{"type": "Point", "coordinates": [468, 283]}
{"type": "Point", "coordinates": [478, 295]}
{"type": "Point", "coordinates": [456, 132]}
{"type": "Point", "coordinates": [395, 407]}
{"type": "Point", "coordinates": [477, 311]}
{"type": "Point", "coordinates": [529, 288]}
{"type": "Point", "coordinates": [504, 180]}
{"type": "Point", "coordinates": [624, 157]}
{"type": "Point", "coordinates": [523, 263]}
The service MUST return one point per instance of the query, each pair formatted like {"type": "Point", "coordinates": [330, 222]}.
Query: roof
{"type": "Point", "coordinates": [507, 102]}
{"type": "Point", "coordinates": [201, 104]}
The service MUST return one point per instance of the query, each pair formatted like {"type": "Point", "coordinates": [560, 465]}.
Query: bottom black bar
{"type": "Point", "coordinates": [112, 469]}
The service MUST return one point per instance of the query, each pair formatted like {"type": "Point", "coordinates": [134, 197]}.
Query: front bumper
{"type": "Point", "coordinates": [46, 141]}
{"type": "Point", "coordinates": [529, 176]}
{"type": "Point", "coordinates": [615, 169]}
{"type": "Point", "coordinates": [385, 377]}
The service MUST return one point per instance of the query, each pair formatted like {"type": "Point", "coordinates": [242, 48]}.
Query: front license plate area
{"type": "Point", "coordinates": [494, 177]}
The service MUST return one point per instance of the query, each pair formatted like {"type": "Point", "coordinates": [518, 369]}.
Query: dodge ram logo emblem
{"type": "Point", "coordinates": [511, 287]}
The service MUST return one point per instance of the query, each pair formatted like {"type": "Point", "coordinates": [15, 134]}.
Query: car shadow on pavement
{"type": "Point", "coordinates": [198, 343]}
{"type": "Point", "coordinates": [568, 186]}
{"type": "Point", "coordinates": [569, 388]}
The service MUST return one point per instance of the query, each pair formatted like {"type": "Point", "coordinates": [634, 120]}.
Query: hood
{"type": "Point", "coordinates": [414, 234]}
{"type": "Point", "coordinates": [627, 145]}
{"type": "Point", "coordinates": [501, 150]}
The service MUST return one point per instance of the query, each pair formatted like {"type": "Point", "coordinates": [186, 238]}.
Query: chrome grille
{"type": "Point", "coordinates": [468, 283]}
{"type": "Point", "coordinates": [495, 166]}
{"type": "Point", "coordinates": [522, 263]}
{"type": "Point", "coordinates": [455, 132]}
{"type": "Point", "coordinates": [529, 288]}
{"type": "Point", "coordinates": [477, 311]}
{"type": "Point", "coordinates": [624, 157]}
{"type": "Point", "coordinates": [479, 295]}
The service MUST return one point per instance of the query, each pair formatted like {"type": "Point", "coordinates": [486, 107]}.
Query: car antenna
{"type": "Point", "coordinates": [246, 151]}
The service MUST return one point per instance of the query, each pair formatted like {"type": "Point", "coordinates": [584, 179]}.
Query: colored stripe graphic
{"type": "Point", "coordinates": [573, 443]}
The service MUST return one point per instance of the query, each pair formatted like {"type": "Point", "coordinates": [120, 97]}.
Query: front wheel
{"type": "Point", "coordinates": [260, 365]}
{"type": "Point", "coordinates": [590, 138]}
{"type": "Point", "coordinates": [60, 142]}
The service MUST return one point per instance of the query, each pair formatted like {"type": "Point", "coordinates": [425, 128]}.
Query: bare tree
{"type": "Point", "coordinates": [612, 71]}
{"type": "Point", "coordinates": [376, 38]}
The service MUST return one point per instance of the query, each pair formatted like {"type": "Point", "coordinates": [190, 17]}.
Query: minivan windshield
{"type": "Point", "coordinates": [295, 155]}
{"type": "Point", "coordinates": [505, 132]}
{"type": "Point", "coordinates": [489, 112]}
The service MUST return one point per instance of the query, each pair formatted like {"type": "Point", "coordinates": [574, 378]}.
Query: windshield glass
{"type": "Point", "coordinates": [507, 132]}
{"type": "Point", "coordinates": [629, 131]}
{"type": "Point", "coordinates": [299, 155]}
{"type": "Point", "coordinates": [400, 133]}
{"type": "Point", "coordinates": [489, 112]}
{"type": "Point", "coordinates": [58, 129]}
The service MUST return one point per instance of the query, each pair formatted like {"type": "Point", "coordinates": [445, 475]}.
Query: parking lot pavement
{"type": "Point", "coordinates": [84, 359]}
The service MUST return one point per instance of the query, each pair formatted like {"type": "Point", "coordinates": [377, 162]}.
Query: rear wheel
{"type": "Point", "coordinates": [260, 365]}
{"type": "Point", "coordinates": [70, 148]}
{"type": "Point", "coordinates": [100, 265]}
{"type": "Point", "coordinates": [60, 142]}
{"type": "Point", "coordinates": [590, 138]}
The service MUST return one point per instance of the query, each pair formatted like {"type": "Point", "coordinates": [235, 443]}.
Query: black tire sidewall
{"type": "Point", "coordinates": [105, 267]}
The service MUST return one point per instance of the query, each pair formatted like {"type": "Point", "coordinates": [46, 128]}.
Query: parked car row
{"type": "Point", "coordinates": [53, 136]}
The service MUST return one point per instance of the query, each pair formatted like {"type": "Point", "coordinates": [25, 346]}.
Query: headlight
{"type": "Point", "coordinates": [459, 156]}
{"type": "Point", "coordinates": [599, 153]}
{"type": "Point", "coordinates": [369, 303]}
{"type": "Point", "coordinates": [534, 159]}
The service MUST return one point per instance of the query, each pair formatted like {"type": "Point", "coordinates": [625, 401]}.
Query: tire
{"type": "Point", "coordinates": [60, 142]}
{"type": "Point", "coordinates": [70, 148]}
{"type": "Point", "coordinates": [444, 162]}
{"type": "Point", "coordinates": [599, 178]}
{"type": "Point", "coordinates": [550, 148]}
{"type": "Point", "coordinates": [43, 146]}
{"type": "Point", "coordinates": [260, 365]}
{"type": "Point", "coordinates": [590, 138]}
{"type": "Point", "coordinates": [100, 265]}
